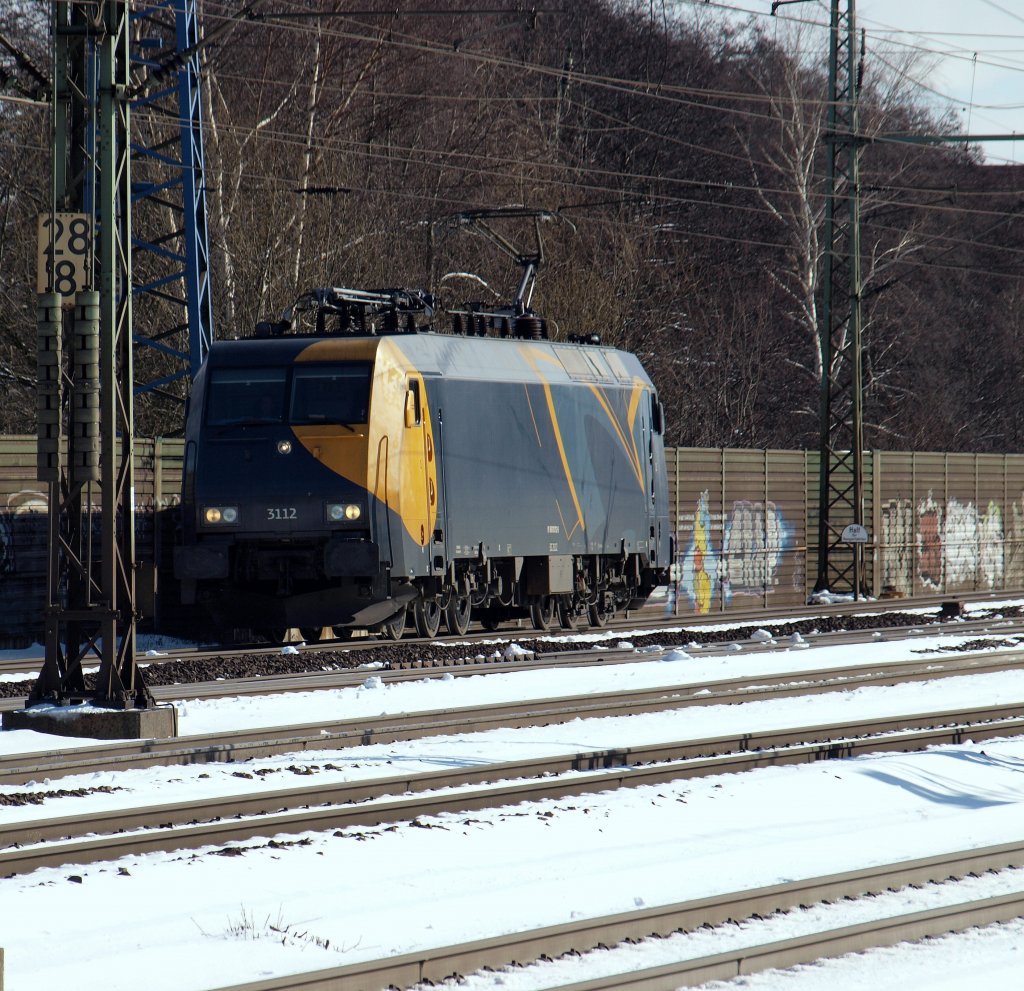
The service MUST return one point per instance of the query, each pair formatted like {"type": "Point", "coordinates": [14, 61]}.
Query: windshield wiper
{"type": "Point", "coordinates": [318, 421]}
{"type": "Point", "coordinates": [250, 421]}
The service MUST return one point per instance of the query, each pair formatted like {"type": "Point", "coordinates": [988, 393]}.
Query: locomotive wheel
{"type": "Point", "coordinates": [456, 615]}
{"type": "Point", "coordinates": [393, 628]}
{"type": "Point", "coordinates": [311, 634]}
{"type": "Point", "coordinates": [489, 620]}
{"type": "Point", "coordinates": [568, 618]}
{"type": "Point", "coordinates": [598, 616]}
{"type": "Point", "coordinates": [542, 613]}
{"type": "Point", "coordinates": [428, 618]}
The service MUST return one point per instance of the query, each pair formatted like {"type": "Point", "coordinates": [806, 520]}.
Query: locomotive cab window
{"type": "Point", "coordinates": [245, 395]}
{"type": "Point", "coordinates": [657, 415]}
{"type": "Point", "coordinates": [330, 394]}
{"type": "Point", "coordinates": [413, 410]}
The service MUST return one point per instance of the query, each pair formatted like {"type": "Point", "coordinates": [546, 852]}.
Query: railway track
{"type": "Point", "coordinates": [437, 964]}
{"type": "Point", "coordinates": [327, 674]}
{"type": "Point", "coordinates": [390, 728]}
{"type": "Point", "coordinates": [27, 846]}
{"type": "Point", "coordinates": [712, 632]}
{"type": "Point", "coordinates": [606, 656]}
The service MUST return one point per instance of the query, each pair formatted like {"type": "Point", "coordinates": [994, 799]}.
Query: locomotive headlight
{"type": "Point", "coordinates": [220, 514]}
{"type": "Point", "coordinates": [338, 511]}
{"type": "Point", "coordinates": [284, 447]}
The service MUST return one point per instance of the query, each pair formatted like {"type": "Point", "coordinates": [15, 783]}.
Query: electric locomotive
{"type": "Point", "coordinates": [375, 469]}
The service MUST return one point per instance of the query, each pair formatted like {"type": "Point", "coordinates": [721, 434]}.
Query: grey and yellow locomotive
{"type": "Point", "coordinates": [374, 469]}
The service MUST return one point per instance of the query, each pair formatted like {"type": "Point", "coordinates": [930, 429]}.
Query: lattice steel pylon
{"type": "Point", "coordinates": [86, 422]}
{"type": "Point", "coordinates": [170, 236]}
{"type": "Point", "coordinates": [841, 491]}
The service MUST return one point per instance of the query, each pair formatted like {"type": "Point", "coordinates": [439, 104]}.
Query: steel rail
{"type": "Point", "coordinates": [876, 934]}
{"type": "Point", "coordinates": [583, 657]}
{"type": "Point", "coordinates": [503, 784]}
{"type": "Point", "coordinates": [467, 667]}
{"type": "Point", "coordinates": [269, 685]}
{"type": "Point", "coordinates": [246, 744]}
{"type": "Point", "coordinates": [437, 964]}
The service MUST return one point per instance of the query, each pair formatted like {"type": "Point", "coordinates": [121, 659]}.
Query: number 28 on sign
{"type": "Point", "coordinates": [63, 258]}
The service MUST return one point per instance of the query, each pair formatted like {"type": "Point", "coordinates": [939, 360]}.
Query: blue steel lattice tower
{"type": "Point", "coordinates": [170, 237]}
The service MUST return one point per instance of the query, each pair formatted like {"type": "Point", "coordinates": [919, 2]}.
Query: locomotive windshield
{"type": "Point", "coordinates": [246, 395]}
{"type": "Point", "coordinates": [330, 394]}
{"type": "Point", "coordinates": [306, 394]}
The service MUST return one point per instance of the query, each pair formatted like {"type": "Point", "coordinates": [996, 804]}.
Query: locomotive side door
{"type": "Point", "coordinates": [439, 535]}
{"type": "Point", "coordinates": [646, 453]}
{"type": "Point", "coordinates": [419, 469]}
{"type": "Point", "coordinates": [660, 552]}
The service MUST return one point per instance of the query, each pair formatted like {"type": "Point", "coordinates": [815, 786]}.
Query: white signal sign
{"type": "Point", "coordinates": [65, 243]}
{"type": "Point", "coordinates": [854, 533]}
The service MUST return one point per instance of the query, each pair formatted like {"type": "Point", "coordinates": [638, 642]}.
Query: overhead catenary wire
{"type": "Point", "coordinates": [628, 176]}
{"type": "Point", "coordinates": [664, 92]}
{"type": "Point", "coordinates": [709, 150]}
{"type": "Point", "coordinates": [667, 92]}
{"type": "Point", "coordinates": [685, 232]}
{"type": "Point", "coordinates": [469, 163]}
{"type": "Point", "coordinates": [621, 123]}
{"type": "Point", "coordinates": [892, 35]}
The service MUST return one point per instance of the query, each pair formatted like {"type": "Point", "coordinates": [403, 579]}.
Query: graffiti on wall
{"type": "Point", "coordinates": [1013, 548]}
{"type": "Point", "coordinates": [699, 572]}
{"type": "Point", "coordinates": [953, 544]}
{"type": "Point", "coordinates": [737, 554]}
{"type": "Point", "coordinates": [897, 540]}
{"type": "Point", "coordinates": [756, 538]}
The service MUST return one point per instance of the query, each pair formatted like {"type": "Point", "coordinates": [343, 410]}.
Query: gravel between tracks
{"type": "Point", "coordinates": [251, 665]}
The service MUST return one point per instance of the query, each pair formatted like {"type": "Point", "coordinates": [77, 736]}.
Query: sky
{"type": "Point", "coordinates": [362, 894]}
{"type": "Point", "coordinates": [980, 72]}
{"type": "Point", "coordinates": [978, 66]}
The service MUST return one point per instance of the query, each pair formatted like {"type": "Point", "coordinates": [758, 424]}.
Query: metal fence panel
{"type": "Point", "coordinates": [23, 525]}
{"type": "Point", "coordinates": [22, 542]}
{"type": "Point", "coordinates": [747, 525]}
{"type": "Point", "coordinates": [741, 528]}
{"type": "Point", "coordinates": [950, 523]}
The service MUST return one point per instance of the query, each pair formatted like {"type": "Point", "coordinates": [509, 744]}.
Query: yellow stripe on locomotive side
{"type": "Point", "coordinates": [629, 446]}
{"type": "Point", "coordinates": [393, 463]}
{"type": "Point", "coordinates": [530, 354]}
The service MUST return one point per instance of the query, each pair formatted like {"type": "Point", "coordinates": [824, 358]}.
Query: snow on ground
{"type": "Point", "coordinates": [187, 922]}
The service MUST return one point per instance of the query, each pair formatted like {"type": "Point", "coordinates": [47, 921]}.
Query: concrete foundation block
{"type": "Point", "coordinates": [94, 722]}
